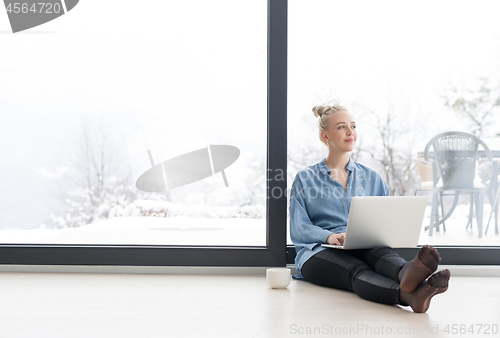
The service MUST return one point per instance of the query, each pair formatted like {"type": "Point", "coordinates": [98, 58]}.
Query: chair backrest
{"type": "Point", "coordinates": [456, 155]}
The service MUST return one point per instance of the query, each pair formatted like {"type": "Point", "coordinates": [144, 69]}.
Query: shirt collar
{"type": "Point", "coordinates": [324, 168]}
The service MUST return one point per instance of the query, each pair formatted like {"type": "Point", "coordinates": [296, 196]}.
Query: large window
{"type": "Point", "coordinates": [152, 131]}
{"type": "Point", "coordinates": [113, 114]}
{"type": "Point", "coordinates": [408, 71]}
{"type": "Point", "coordinates": [133, 126]}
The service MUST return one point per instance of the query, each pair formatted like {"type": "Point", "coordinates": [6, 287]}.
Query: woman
{"type": "Point", "coordinates": [319, 207]}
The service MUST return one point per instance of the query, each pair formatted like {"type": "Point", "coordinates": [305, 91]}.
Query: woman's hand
{"type": "Point", "coordinates": [336, 239]}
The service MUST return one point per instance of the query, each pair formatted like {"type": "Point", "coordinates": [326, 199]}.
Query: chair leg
{"type": "Point", "coordinates": [442, 209]}
{"type": "Point", "coordinates": [471, 212]}
{"type": "Point", "coordinates": [434, 212]}
{"type": "Point", "coordinates": [479, 214]}
{"type": "Point", "coordinates": [494, 209]}
{"type": "Point", "coordinates": [496, 219]}
{"type": "Point", "coordinates": [436, 220]}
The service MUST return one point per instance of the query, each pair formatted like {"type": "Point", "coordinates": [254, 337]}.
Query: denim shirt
{"type": "Point", "coordinates": [316, 211]}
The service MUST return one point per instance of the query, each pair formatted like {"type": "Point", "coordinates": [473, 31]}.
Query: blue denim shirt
{"type": "Point", "coordinates": [316, 211]}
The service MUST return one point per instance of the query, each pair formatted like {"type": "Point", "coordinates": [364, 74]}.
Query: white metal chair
{"type": "Point", "coordinates": [455, 155]}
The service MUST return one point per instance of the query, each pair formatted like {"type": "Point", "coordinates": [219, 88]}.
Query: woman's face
{"type": "Point", "coordinates": [341, 134]}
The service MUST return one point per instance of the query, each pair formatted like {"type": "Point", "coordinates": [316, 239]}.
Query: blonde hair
{"type": "Point", "coordinates": [324, 111]}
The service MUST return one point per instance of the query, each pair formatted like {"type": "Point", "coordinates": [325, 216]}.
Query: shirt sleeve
{"type": "Point", "coordinates": [302, 230]}
{"type": "Point", "coordinates": [385, 188]}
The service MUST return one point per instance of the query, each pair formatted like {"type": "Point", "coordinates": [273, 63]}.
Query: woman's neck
{"type": "Point", "coordinates": [337, 161]}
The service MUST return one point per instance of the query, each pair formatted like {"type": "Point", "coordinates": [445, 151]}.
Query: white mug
{"type": "Point", "coordinates": [278, 278]}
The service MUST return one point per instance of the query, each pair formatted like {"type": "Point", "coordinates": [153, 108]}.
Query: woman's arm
{"type": "Point", "coordinates": [302, 230]}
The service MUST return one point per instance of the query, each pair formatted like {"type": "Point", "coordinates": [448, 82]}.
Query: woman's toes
{"type": "Point", "coordinates": [429, 257]}
{"type": "Point", "coordinates": [440, 279]}
{"type": "Point", "coordinates": [422, 266]}
{"type": "Point", "coordinates": [436, 284]}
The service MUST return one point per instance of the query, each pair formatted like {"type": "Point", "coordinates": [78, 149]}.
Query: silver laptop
{"type": "Point", "coordinates": [373, 221]}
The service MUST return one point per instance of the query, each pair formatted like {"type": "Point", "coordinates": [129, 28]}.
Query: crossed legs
{"type": "Point", "coordinates": [380, 275]}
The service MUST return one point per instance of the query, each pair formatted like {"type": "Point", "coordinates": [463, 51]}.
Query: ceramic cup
{"type": "Point", "coordinates": [278, 278]}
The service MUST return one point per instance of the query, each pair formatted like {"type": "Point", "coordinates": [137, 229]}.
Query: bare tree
{"type": "Point", "coordinates": [255, 191]}
{"type": "Point", "coordinates": [98, 177]}
{"type": "Point", "coordinates": [304, 148]}
{"type": "Point", "coordinates": [392, 150]}
{"type": "Point", "coordinates": [479, 106]}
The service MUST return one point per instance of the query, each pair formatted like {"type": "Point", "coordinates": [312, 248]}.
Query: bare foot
{"type": "Point", "coordinates": [420, 299]}
{"type": "Point", "coordinates": [416, 271]}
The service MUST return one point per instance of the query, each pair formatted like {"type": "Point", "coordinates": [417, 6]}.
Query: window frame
{"type": "Point", "coordinates": [450, 255]}
{"type": "Point", "coordinates": [276, 252]}
{"type": "Point", "coordinates": [273, 254]}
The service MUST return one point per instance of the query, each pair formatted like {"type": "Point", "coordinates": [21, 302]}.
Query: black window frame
{"type": "Point", "coordinates": [273, 254]}
{"type": "Point", "coordinates": [276, 252]}
{"type": "Point", "coordinates": [450, 255]}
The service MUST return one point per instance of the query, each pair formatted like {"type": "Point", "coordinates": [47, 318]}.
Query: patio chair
{"type": "Point", "coordinates": [455, 155]}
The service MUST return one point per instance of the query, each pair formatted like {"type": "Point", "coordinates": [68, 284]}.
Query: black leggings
{"type": "Point", "coordinates": [370, 273]}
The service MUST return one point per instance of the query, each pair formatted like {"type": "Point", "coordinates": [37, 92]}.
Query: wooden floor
{"type": "Point", "coordinates": [147, 305]}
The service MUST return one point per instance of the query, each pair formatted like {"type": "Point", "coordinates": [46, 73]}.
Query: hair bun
{"type": "Point", "coordinates": [320, 109]}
